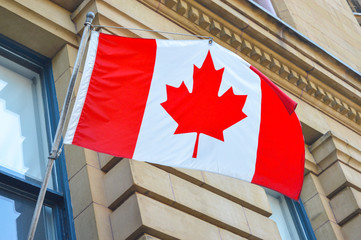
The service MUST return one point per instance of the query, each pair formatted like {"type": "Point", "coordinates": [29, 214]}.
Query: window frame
{"type": "Point", "coordinates": [299, 216]}
{"type": "Point", "coordinates": [296, 212]}
{"type": "Point", "coordinates": [58, 199]}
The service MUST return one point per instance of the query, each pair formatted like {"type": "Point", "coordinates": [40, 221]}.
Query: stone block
{"type": "Point", "coordinates": [181, 7]}
{"type": "Point", "coordinates": [91, 158]}
{"type": "Point", "coordinates": [63, 60]}
{"type": "Point", "coordinates": [117, 183]}
{"type": "Point", "coordinates": [311, 187]}
{"type": "Point", "coordinates": [319, 211]}
{"type": "Point", "coordinates": [204, 21]}
{"type": "Point", "coordinates": [225, 235]}
{"type": "Point", "coordinates": [85, 225]}
{"type": "Point", "coordinates": [191, 175]}
{"type": "Point", "coordinates": [336, 103]}
{"type": "Point", "coordinates": [301, 82]}
{"type": "Point", "coordinates": [96, 181]}
{"type": "Point", "coordinates": [126, 219]}
{"type": "Point", "coordinates": [261, 226]}
{"type": "Point", "coordinates": [329, 231]}
{"type": "Point", "coordinates": [275, 65]}
{"type": "Point", "coordinates": [345, 204]}
{"type": "Point", "coordinates": [107, 162]}
{"type": "Point", "coordinates": [256, 53]}
{"type": "Point", "coordinates": [80, 191]}
{"type": "Point", "coordinates": [75, 159]}
{"type": "Point", "coordinates": [193, 14]}
{"type": "Point", "coordinates": [351, 113]}
{"type": "Point", "coordinates": [265, 59]}
{"type": "Point", "coordinates": [320, 93]}
{"type": "Point", "coordinates": [352, 230]}
{"type": "Point", "coordinates": [311, 88]}
{"type": "Point", "coordinates": [284, 71]}
{"type": "Point", "coordinates": [209, 206]}
{"type": "Point", "coordinates": [328, 98]}
{"type": "Point", "coordinates": [225, 34]}
{"type": "Point", "coordinates": [214, 28]}
{"type": "Point", "coordinates": [344, 109]}
{"type": "Point", "coordinates": [293, 77]}
{"type": "Point", "coordinates": [102, 219]}
{"type": "Point", "coordinates": [246, 47]}
{"type": "Point", "coordinates": [141, 213]}
{"type": "Point", "coordinates": [61, 86]}
{"type": "Point", "coordinates": [328, 149]}
{"type": "Point", "coordinates": [129, 175]}
{"type": "Point", "coordinates": [337, 177]}
{"type": "Point", "coordinates": [248, 195]}
{"type": "Point", "coordinates": [170, 3]}
{"type": "Point", "coordinates": [236, 41]}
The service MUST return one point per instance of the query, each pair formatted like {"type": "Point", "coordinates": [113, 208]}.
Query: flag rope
{"type": "Point", "coordinates": [157, 31]}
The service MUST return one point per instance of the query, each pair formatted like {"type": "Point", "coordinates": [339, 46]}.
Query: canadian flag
{"type": "Point", "coordinates": [190, 104]}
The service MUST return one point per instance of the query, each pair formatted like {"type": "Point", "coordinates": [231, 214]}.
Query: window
{"type": "Point", "coordinates": [28, 114]}
{"type": "Point", "coordinates": [290, 217]}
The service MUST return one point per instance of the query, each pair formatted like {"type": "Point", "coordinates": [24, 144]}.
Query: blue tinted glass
{"type": "Point", "coordinates": [15, 218]}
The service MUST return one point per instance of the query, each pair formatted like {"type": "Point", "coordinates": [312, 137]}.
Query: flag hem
{"type": "Point", "coordinates": [83, 88]}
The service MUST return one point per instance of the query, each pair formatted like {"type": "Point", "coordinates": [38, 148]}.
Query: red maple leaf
{"type": "Point", "coordinates": [203, 111]}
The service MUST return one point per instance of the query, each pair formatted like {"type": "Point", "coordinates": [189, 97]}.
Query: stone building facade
{"type": "Point", "coordinates": [310, 49]}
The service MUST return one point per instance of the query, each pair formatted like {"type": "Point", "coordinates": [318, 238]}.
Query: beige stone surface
{"type": "Point", "coordinates": [194, 176]}
{"type": "Point", "coordinates": [93, 223]}
{"type": "Point", "coordinates": [319, 211]}
{"type": "Point", "coordinates": [329, 231]}
{"type": "Point", "coordinates": [325, 24]}
{"type": "Point", "coordinates": [140, 212]}
{"type": "Point", "coordinates": [337, 176]}
{"type": "Point", "coordinates": [126, 219]}
{"type": "Point", "coordinates": [63, 60]}
{"type": "Point", "coordinates": [345, 204]}
{"type": "Point", "coordinates": [96, 182]}
{"type": "Point", "coordinates": [44, 34]}
{"type": "Point", "coordinates": [86, 187]}
{"type": "Point", "coordinates": [128, 175]}
{"type": "Point", "coordinates": [107, 162]}
{"type": "Point", "coordinates": [207, 205]}
{"type": "Point", "coordinates": [261, 226]}
{"type": "Point", "coordinates": [117, 182]}
{"type": "Point", "coordinates": [352, 230]}
{"type": "Point", "coordinates": [91, 158]}
{"type": "Point", "coordinates": [61, 85]}
{"type": "Point", "coordinates": [225, 235]}
{"type": "Point", "coordinates": [80, 191]}
{"type": "Point", "coordinates": [75, 159]}
{"type": "Point", "coordinates": [249, 195]}
{"type": "Point", "coordinates": [85, 225]}
{"type": "Point", "coordinates": [330, 148]}
{"type": "Point", "coordinates": [102, 218]}
{"type": "Point", "coordinates": [311, 187]}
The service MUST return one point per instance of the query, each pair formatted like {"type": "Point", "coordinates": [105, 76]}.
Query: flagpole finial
{"type": "Point", "coordinates": [89, 18]}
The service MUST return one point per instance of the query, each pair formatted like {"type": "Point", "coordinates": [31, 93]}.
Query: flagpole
{"type": "Point", "coordinates": [55, 151]}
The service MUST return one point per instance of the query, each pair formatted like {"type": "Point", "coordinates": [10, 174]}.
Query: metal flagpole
{"type": "Point", "coordinates": [55, 151]}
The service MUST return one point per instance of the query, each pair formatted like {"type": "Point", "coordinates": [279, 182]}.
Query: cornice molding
{"type": "Point", "coordinates": [307, 80]}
